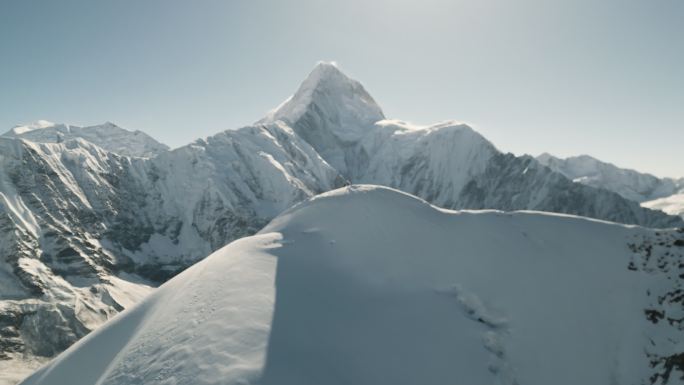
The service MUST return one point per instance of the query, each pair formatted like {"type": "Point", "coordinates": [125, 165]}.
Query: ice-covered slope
{"type": "Point", "coordinates": [367, 285]}
{"type": "Point", "coordinates": [633, 185]}
{"type": "Point", "coordinates": [108, 136]}
{"type": "Point", "coordinates": [86, 232]}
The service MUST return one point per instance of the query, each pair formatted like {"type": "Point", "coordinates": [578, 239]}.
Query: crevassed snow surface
{"type": "Point", "coordinates": [368, 285]}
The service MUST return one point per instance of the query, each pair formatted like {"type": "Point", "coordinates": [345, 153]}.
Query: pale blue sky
{"type": "Point", "coordinates": [601, 77]}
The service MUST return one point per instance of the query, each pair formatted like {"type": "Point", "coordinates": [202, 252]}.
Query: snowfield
{"type": "Point", "coordinates": [369, 285]}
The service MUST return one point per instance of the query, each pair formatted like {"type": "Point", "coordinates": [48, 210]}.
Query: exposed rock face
{"type": "Point", "coordinates": [332, 113]}
{"type": "Point", "coordinates": [512, 183]}
{"type": "Point", "coordinates": [87, 232]}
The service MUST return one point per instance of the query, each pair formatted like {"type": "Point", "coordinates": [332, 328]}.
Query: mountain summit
{"type": "Point", "coordinates": [336, 96]}
{"type": "Point", "coordinates": [448, 164]}
{"type": "Point", "coordinates": [330, 111]}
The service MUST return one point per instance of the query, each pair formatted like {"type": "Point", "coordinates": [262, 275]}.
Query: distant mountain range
{"type": "Point", "coordinates": [666, 194]}
{"type": "Point", "coordinates": [92, 218]}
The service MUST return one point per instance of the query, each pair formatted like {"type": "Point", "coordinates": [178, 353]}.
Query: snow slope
{"type": "Point", "coordinates": [367, 285]}
{"type": "Point", "coordinates": [108, 136]}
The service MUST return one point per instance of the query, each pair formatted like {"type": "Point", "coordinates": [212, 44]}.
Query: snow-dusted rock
{"type": "Point", "coordinates": [631, 184]}
{"type": "Point", "coordinates": [448, 164]}
{"type": "Point", "coordinates": [86, 230]}
{"type": "Point", "coordinates": [108, 136]}
{"type": "Point", "coordinates": [330, 111]}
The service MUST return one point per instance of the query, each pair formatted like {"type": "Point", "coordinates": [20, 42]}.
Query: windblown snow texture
{"type": "Point", "coordinates": [367, 285]}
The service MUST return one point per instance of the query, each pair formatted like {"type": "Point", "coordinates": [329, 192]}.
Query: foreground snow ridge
{"type": "Point", "coordinates": [369, 285]}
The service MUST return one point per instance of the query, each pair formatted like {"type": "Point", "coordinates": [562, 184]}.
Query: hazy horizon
{"type": "Point", "coordinates": [564, 77]}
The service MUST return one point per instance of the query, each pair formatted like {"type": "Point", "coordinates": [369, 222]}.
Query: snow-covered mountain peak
{"type": "Point", "coordinates": [107, 135]}
{"type": "Point", "coordinates": [327, 78]}
{"type": "Point", "coordinates": [330, 111]}
{"type": "Point", "coordinates": [325, 72]}
{"type": "Point", "coordinates": [332, 96]}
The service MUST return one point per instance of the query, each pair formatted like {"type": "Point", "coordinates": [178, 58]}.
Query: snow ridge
{"type": "Point", "coordinates": [87, 231]}
{"type": "Point", "coordinates": [369, 285]}
{"type": "Point", "coordinates": [448, 164]}
{"type": "Point", "coordinates": [108, 136]}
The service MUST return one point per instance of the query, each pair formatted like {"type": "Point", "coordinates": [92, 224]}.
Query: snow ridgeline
{"type": "Point", "coordinates": [664, 194]}
{"type": "Point", "coordinates": [368, 285]}
{"type": "Point", "coordinates": [87, 231]}
{"type": "Point", "coordinates": [109, 136]}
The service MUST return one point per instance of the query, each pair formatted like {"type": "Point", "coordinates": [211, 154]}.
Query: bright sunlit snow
{"type": "Point", "coordinates": [368, 285]}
